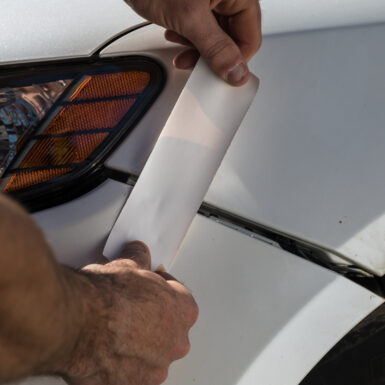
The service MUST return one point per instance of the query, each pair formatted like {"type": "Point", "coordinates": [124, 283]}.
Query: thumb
{"type": "Point", "coordinates": [218, 49]}
{"type": "Point", "coordinates": [139, 253]}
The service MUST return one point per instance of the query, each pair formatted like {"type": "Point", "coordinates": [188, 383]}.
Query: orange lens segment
{"type": "Point", "coordinates": [62, 150]}
{"type": "Point", "coordinates": [88, 116]}
{"type": "Point", "coordinates": [112, 85]}
{"type": "Point", "coordinates": [100, 102]}
{"type": "Point", "coordinates": [26, 179]}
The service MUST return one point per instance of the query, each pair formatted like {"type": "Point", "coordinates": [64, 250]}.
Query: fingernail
{"type": "Point", "coordinates": [236, 74]}
{"type": "Point", "coordinates": [135, 247]}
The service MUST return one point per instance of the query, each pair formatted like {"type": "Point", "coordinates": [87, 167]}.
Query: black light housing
{"type": "Point", "coordinates": [65, 119]}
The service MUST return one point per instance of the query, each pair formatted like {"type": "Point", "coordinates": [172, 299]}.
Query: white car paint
{"type": "Point", "coordinates": [132, 155]}
{"type": "Point", "coordinates": [308, 158]}
{"type": "Point", "coordinates": [281, 16]}
{"type": "Point", "coordinates": [51, 29]}
{"type": "Point", "coordinates": [78, 230]}
{"type": "Point", "coordinates": [278, 299]}
{"type": "Point", "coordinates": [266, 316]}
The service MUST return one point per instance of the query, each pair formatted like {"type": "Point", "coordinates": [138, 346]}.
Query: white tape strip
{"type": "Point", "coordinates": [182, 165]}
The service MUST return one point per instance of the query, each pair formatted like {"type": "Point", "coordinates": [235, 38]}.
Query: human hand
{"type": "Point", "coordinates": [227, 33]}
{"type": "Point", "coordinates": [138, 323]}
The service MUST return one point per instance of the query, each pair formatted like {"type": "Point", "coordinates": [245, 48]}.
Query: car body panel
{"type": "Point", "coordinates": [300, 15]}
{"type": "Point", "coordinates": [133, 152]}
{"type": "Point", "coordinates": [38, 30]}
{"type": "Point", "coordinates": [54, 29]}
{"type": "Point", "coordinates": [77, 230]}
{"type": "Point", "coordinates": [266, 316]}
{"type": "Point", "coordinates": [279, 313]}
{"type": "Point", "coordinates": [307, 160]}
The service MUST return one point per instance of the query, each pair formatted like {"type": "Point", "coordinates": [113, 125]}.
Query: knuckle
{"type": "Point", "coordinates": [217, 47]}
{"type": "Point", "coordinates": [248, 51]}
{"type": "Point", "coordinates": [161, 285]}
{"type": "Point", "coordinates": [258, 43]}
{"type": "Point", "coordinates": [194, 312]}
{"type": "Point", "coordinates": [135, 248]}
{"type": "Point", "coordinates": [191, 9]}
{"type": "Point", "coordinates": [160, 376]}
{"type": "Point", "coordinates": [180, 350]}
{"type": "Point", "coordinates": [120, 265]}
{"type": "Point", "coordinates": [184, 349]}
{"type": "Point", "coordinates": [93, 268]}
{"type": "Point", "coordinates": [188, 20]}
{"type": "Point", "coordinates": [188, 307]}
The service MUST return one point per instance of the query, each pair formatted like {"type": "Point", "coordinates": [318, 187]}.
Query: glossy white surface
{"type": "Point", "coordinates": [188, 152]}
{"type": "Point", "coordinates": [259, 305]}
{"type": "Point", "coordinates": [308, 160]}
{"type": "Point", "coordinates": [50, 29]}
{"type": "Point", "coordinates": [77, 231]}
{"type": "Point", "coordinates": [133, 152]}
{"type": "Point", "coordinates": [266, 316]}
{"type": "Point", "coordinates": [296, 15]}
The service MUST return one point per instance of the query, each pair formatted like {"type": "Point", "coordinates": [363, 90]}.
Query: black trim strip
{"type": "Point", "coordinates": [98, 51]}
{"type": "Point", "coordinates": [41, 168]}
{"type": "Point", "coordinates": [293, 246]}
{"type": "Point", "coordinates": [209, 210]}
{"type": "Point", "coordinates": [74, 133]}
{"type": "Point", "coordinates": [107, 99]}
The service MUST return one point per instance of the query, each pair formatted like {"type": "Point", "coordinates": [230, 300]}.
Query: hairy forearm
{"type": "Point", "coordinates": [42, 308]}
{"type": "Point", "coordinates": [110, 324]}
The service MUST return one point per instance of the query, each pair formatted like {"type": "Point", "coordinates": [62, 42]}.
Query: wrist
{"type": "Point", "coordinates": [85, 323]}
{"type": "Point", "coordinates": [79, 307]}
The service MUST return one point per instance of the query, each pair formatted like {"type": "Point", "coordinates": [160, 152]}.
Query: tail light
{"type": "Point", "coordinates": [57, 125]}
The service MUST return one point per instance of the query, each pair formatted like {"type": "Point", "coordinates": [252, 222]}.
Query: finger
{"type": "Point", "coordinates": [91, 380]}
{"type": "Point", "coordinates": [188, 304]}
{"type": "Point", "coordinates": [183, 347]}
{"type": "Point", "coordinates": [186, 59]}
{"type": "Point", "coordinates": [166, 276]}
{"type": "Point", "coordinates": [244, 27]}
{"type": "Point", "coordinates": [174, 37]}
{"type": "Point", "coordinates": [139, 253]}
{"type": "Point", "coordinates": [186, 301]}
{"type": "Point", "coordinates": [217, 48]}
{"type": "Point", "coordinates": [94, 268]}
{"type": "Point", "coordinates": [158, 375]}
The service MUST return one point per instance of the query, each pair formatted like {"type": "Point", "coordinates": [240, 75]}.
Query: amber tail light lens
{"type": "Point", "coordinates": [56, 128]}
